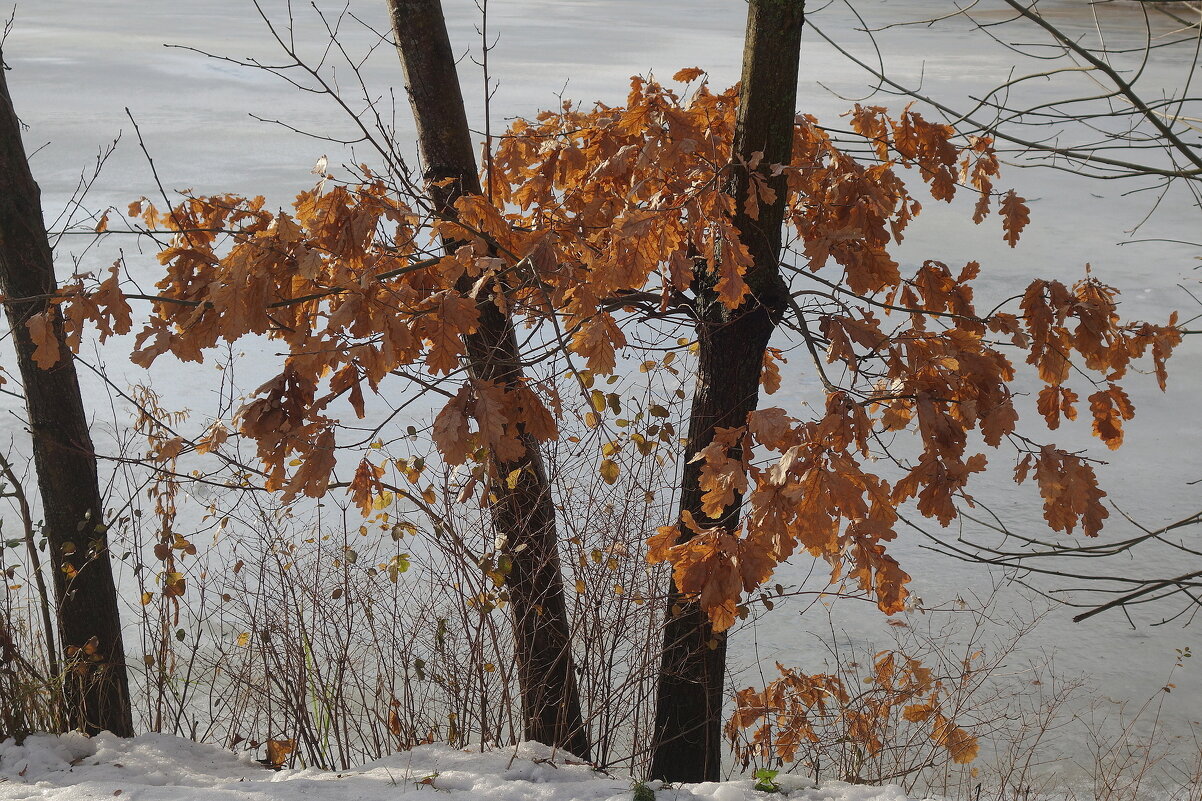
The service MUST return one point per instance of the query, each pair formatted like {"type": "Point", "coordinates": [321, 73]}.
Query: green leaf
{"type": "Point", "coordinates": [397, 565]}
{"type": "Point", "coordinates": [765, 780]}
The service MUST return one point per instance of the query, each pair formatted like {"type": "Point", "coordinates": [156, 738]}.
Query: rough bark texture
{"type": "Point", "coordinates": [96, 688]}
{"type": "Point", "coordinates": [525, 514]}
{"type": "Point", "coordinates": [731, 344]}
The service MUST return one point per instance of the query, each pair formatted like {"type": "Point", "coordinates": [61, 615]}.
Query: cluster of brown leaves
{"type": "Point", "coordinates": [797, 711]}
{"type": "Point", "coordinates": [599, 218]}
{"type": "Point", "coordinates": [341, 283]}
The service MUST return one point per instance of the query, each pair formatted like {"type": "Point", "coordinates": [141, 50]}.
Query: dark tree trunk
{"type": "Point", "coordinates": [96, 690]}
{"type": "Point", "coordinates": [731, 345]}
{"type": "Point", "coordinates": [525, 514]}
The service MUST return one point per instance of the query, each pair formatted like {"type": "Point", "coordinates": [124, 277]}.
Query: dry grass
{"type": "Point", "coordinates": [358, 637]}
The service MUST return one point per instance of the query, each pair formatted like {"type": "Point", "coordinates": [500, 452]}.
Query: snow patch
{"type": "Point", "coordinates": [158, 767]}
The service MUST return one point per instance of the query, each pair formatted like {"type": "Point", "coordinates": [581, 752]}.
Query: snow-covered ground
{"type": "Point", "coordinates": [154, 767]}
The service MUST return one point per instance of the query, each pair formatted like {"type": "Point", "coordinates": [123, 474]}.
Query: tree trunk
{"type": "Point", "coordinates": [524, 514]}
{"type": "Point", "coordinates": [96, 689]}
{"type": "Point", "coordinates": [731, 344]}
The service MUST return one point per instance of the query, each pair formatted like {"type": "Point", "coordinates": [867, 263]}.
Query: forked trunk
{"type": "Point", "coordinates": [96, 690]}
{"type": "Point", "coordinates": [731, 345]}
{"type": "Point", "coordinates": [525, 513]}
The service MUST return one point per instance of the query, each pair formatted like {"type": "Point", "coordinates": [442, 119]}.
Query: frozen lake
{"type": "Point", "coordinates": [78, 63]}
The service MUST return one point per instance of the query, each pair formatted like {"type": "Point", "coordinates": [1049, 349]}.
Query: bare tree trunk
{"type": "Point", "coordinates": [525, 513]}
{"type": "Point", "coordinates": [731, 345]}
{"type": "Point", "coordinates": [96, 688]}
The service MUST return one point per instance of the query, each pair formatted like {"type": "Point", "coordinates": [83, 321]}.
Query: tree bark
{"type": "Point", "coordinates": [96, 688]}
{"type": "Point", "coordinates": [731, 345]}
{"type": "Point", "coordinates": [524, 514]}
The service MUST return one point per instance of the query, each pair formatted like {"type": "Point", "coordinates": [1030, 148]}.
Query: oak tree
{"type": "Point", "coordinates": [687, 221]}
{"type": "Point", "coordinates": [96, 691]}
{"type": "Point", "coordinates": [520, 498]}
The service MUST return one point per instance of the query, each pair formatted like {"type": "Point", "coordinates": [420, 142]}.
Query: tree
{"type": "Point", "coordinates": [522, 509]}
{"type": "Point", "coordinates": [731, 344]}
{"type": "Point", "coordinates": [94, 676]}
{"type": "Point", "coordinates": [628, 235]}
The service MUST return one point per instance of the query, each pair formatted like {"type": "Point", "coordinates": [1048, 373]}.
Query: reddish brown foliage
{"type": "Point", "coordinates": [601, 217]}
{"type": "Point", "coordinates": [796, 709]}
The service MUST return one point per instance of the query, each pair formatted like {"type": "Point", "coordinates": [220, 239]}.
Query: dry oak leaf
{"type": "Point", "coordinates": [772, 428]}
{"type": "Point", "coordinates": [366, 486]}
{"type": "Point", "coordinates": [596, 341]}
{"type": "Point", "coordinates": [688, 74]}
{"type": "Point", "coordinates": [1015, 217]}
{"type": "Point", "coordinates": [960, 744]}
{"type": "Point", "coordinates": [706, 567]}
{"type": "Point", "coordinates": [453, 317]}
{"type": "Point", "coordinates": [721, 476]}
{"type": "Point", "coordinates": [1055, 400]}
{"type": "Point", "coordinates": [1070, 491]}
{"type": "Point", "coordinates": [770, 372]}
{"type": "Point", "coordinates": [1110, 407]}
{"type": "Point", "coordinates": [714, 566]}
{"type": "Point", "coordinates": [216, 435]}
{"type": "Point", "coordinates": [278, 751]}
{"type": "Point", "coordinates": [495, 413]}
{"type": "Point", "coordinates": [312, 478]}
{"type": "Point", "coordinates": [41, 331]}
{"type": "Point", "coordinates": [534, 415]}
{"type": "Point", "coordinates": [451, 434]}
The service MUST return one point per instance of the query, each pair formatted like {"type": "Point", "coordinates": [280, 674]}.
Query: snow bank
{"type": "Point", "coordinates": [155, 767]}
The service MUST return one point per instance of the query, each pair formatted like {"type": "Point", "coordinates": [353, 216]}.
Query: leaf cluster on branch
{"type": "Point", "coordinates": [607, 219]}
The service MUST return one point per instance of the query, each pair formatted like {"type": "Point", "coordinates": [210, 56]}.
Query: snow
{"type": "Point", "coordinates": [157, 767]}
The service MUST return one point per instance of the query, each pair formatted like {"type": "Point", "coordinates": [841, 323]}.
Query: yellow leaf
{"type": "Point", "coordinates": [511, 480]}
{"type": "Point", "coordinates": [609, 471]}
{"type": "Point", "coordinates": [174, 584]}
{"type": "Point", "coordinates": [243, 639]}
{"type": "Point", "coordinates": [278, 751]}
